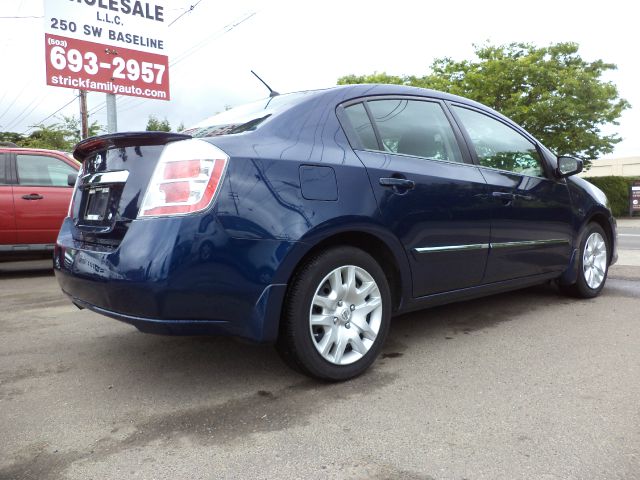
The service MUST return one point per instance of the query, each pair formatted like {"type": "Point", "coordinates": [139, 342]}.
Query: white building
{"type": "Point", "coordinates": [623, 167]}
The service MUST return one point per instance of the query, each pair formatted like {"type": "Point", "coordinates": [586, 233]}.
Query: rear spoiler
{"type": "Point", "coordinates": [91, 145]}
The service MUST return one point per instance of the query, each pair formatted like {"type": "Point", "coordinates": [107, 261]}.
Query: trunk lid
{"type": "Point", "coordinates": [116, 170]}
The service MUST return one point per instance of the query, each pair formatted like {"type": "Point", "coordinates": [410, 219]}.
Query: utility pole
{"type": "Point", "coordinates": [84, 117]}
{"type": "Point", "coordinates": [112, 118]}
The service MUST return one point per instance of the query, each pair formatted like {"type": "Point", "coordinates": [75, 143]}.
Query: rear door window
{"type": "Point", "coordinates": [415, 127]}
{"type": "Point", "coordinates": [42, 170]}
{"type": "Point", "coordinates": [361, 124]}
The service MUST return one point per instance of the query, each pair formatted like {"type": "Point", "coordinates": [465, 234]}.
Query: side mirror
{"type": "Point", "coordinates": [568, 166]}
{"type": "Point", "coordinates": [71, 179]}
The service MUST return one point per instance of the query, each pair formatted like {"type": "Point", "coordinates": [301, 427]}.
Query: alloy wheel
{"type": "Point", "coordinates": [594, 260]}
{"type": "Point", "coordinates": [345, 315]}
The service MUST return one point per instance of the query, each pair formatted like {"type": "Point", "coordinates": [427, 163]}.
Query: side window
{"type": "Point", "coordinates": [415, 127]}
{"type": "Point", "coordinates": [499, 146]}
{"type": "Point", "coordinates": [3, 169]}
{"type": "Point", "coordinates": [359, 120]}
{"type": "Point", "coordinates": [42, 171]}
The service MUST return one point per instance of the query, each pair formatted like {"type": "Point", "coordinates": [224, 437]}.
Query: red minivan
{"type": "Point", "coordinates": [34, 199]}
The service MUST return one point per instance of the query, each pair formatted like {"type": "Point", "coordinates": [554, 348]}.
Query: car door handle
{"type": "Point", "coordinates": [503, 195]}
{"type": "Point", "coordinates": [506, 197]}
{"type": "Point", "coordinates": [524, 197]}
{"type": "Point", "coordinates": [33, 196]}
{"type": "Point", "coordinates": [400, 183]}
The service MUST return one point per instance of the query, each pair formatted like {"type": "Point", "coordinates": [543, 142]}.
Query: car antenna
{"type": "Point", "coordinates": [272, 92]}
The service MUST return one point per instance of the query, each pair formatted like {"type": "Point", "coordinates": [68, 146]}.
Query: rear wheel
{"type": "Point", "coordinates": [336, 315]}
{"type": "Point", "coordinates": [593, 263]}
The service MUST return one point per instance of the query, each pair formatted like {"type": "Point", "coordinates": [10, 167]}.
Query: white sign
{"type": "Point", "coordinates": [137, 25]}
{"type": "Point", "coordinates": [113, 46]}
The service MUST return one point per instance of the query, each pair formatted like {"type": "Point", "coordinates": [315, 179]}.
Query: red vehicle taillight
{"type": "Point", "coordinates": [185, 180]}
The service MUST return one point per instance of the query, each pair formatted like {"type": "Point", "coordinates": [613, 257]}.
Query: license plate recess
{"type": "Point", "coordinates": [97, 204]}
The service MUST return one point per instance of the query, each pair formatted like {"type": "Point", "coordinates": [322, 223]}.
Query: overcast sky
{"type": "Point", "coordinates": [299, 45]}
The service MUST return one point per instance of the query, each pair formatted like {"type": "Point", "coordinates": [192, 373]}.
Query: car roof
{"type": "Point", "coordinates": [354, 91]}
{"type": "Point", "coordinates": [378, 89]}
{"type": "Point", "coordinates": [62, 155]}
{"type": "Point", "coordinates": [34, 150]}
{"type": "Point", "coordinates": [347, 93]}
{"type": "Point", "coordinates": [328, 96]}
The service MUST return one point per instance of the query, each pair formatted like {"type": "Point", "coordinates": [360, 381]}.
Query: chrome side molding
{"type": "Point", "coordinates": [453, 248]}
{"type": "Point", "coordinates": [530, 243]}
{"type": "Point", "coordinates": [482, 246]}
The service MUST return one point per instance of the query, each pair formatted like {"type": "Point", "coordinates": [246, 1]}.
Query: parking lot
{"type": "Point", "coordinates": [528, 384]}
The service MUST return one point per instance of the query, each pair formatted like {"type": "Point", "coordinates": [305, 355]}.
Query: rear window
{"type": "Point", "coordinates": [244, 118]}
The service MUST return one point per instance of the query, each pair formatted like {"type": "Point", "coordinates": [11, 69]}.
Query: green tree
{"type": "Point", "coordinates": [551, 91]}
{"type": "Point", "coordinates": [155, 125]}
{"type": "Point", "coordinates": [53, 137]}
{"type": "Point", "coordinates": [58, 136]}
{"type": "Point", "coordinates": [74, 127]}
{"type": "Point", "coordinates": [12, 137]}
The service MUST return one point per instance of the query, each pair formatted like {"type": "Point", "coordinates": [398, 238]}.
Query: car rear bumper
{"type": "Point", "coordinates": [12, 253]}
{"type": "Point", "coordinates": [163, 280]}
{"type": "Point", "coordinates": [259, 327]}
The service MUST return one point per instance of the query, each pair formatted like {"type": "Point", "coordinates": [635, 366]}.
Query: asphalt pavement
{"type": "Point", "coordinates": [629, 238]}
{"type": "Point", "coordinates": [629, 241]}
{"type": "Point", "coordinates": [524, 385]}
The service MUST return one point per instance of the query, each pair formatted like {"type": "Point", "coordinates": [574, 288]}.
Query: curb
{"type": "Point", "coordinates": [628, 222]}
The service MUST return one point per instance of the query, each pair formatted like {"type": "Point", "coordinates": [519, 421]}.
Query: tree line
{"type": "Point", "coordinates": [560, 98]}
{"type": "Point", "coordinates": [65, 134]}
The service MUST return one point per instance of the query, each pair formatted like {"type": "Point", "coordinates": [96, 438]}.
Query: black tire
{"type": "Point", "coordinates": [299, 347]}
{"type": "Point", "coordinates": [581, 288]}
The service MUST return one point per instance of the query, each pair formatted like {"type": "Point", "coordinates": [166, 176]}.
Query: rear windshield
{"type": "Point", "coordinates": [244, 118]}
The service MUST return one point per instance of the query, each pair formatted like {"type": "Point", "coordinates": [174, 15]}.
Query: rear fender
{"type": "Point", "coordinates": [323, 234]}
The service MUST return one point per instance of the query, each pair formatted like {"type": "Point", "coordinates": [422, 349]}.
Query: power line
{"type": "Point", "coordinates": [189, 10]}
{"type": "Point", "coordinates": [22, 16]}
{"type": "Point", "coordinates": [131, 106]}
{"type": "Point", "coordinates": [28, 113]}
{"type": "Point", "coordinates": [28, 84]}
{"type": "Point", "coordinates": [3, 95]}
{"type": "Point", "coordinates": [226, 29]}
{"type": "Point", "coordinates": [47, 118]}
{"type": "Point", "coordinates": [183, 56]}
{"type": "Point", "coordinates": [18, 117]}
{"type": "Point", "coordinates": [14, 100]}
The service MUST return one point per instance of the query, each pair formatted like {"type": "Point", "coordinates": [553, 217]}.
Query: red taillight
{"type": "Point", "coordinates": [182, 169]}
{"type": "Point", "coordinates": [176, 192]}
{"type": "Point", "coordinates": [186, 179]}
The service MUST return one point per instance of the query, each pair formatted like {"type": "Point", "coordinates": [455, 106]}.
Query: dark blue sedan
{"type": "Point", "coordinates": [310, 219]}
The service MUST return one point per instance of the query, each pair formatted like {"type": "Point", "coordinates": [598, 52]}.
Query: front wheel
{"type": "Point", "coordinates": [593, 263]}
{"type": "Point", "coordinates": [336, 315]}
